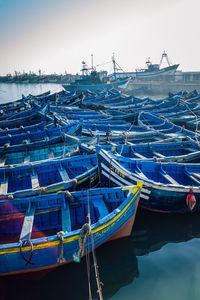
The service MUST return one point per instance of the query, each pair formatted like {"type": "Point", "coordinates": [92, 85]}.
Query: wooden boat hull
{"type": "Point", "coordinates": [154, 196]}
{"type": "Point", "coordinates": [45, 251]}
{"type": "Point", "coordinates": [181, 152]}
{"type": "Point", "coordinates": [76, 87]}
{"type": "Point", "coordinates": [73, 173]}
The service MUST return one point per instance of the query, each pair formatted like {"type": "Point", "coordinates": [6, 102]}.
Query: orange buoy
{"type": "Point", "coordinates": [190, 201]}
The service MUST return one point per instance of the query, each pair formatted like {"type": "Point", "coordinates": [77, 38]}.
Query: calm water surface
{"type": "Point", "coordinates": [160, 261]}
{"type": "Point", "coordinates": [14, 91]}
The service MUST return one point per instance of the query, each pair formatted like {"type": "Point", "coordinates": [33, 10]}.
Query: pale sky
{"type": "Point", "coordinates": [56, 35]}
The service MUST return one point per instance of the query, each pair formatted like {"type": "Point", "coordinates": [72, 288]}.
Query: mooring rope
{"type": "Point", "coordinates": [96, 267]}
{"type": "Point", "coordinates": [196, 119]}
{"type": "Point", "coordinates": [110, 170]}
{"type": "Point", "coordinates": [87, 253]}
{"type": "Point", "coordinates": [28, 261]}
{"type": "Point", "coordinates": [88, 273]}
{"type": "Point", "coordinates": [99, 283]}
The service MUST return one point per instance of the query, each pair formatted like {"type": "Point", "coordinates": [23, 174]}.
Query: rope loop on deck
{"type": "Point", "coordinates": [28, 261]}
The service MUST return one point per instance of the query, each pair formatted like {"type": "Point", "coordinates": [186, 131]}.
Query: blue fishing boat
{"type": "Point", "coordinates": [93, 80]}
{"type": "Point", "coordinates": [49, 176]}
{"type": "Point", "coordinates": [28, 110]}
{"type": "Point", "coordinates": [181, 152]}
{"type": "Point", "coordinates": [167, 188]}
{"type": "Point", "coordinates": [150, 121]}
{"type": "Point", "coordinates": [193, 124]}
{"type": "Point", "coordinates": [43, 125]}
{"type": "Point", "coordinates": [47, 93]}
{"type": "Point", "coordinates": [67, 146]}
{"type": "Point", "coordinates": [78, 114]}
{"type": "Point", "coordinates": [100, 129]}
{"type": "Point", "coordinates": [56, 229]}
{"type": "Point", "coordinates": [29, 117]}
{"type": "Point", "coordinates": [38, 138]}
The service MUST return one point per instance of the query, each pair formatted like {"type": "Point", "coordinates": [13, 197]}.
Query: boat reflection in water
{"type": "Point", "coordinates": [152, 230]}
{"type": "Point", "coordinates": [117, 261]}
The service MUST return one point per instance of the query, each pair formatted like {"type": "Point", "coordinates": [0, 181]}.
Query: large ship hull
{"type": "Point", "coordinates": [76, 87]}
{"type": "Point", "coordinates": [148, 74]}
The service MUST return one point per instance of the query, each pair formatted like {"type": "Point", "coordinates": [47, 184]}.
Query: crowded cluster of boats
{"type": "Point", "coordinates": [74, 165]}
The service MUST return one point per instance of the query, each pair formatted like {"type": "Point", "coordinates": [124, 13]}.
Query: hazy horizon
{"type": "Point", "coordinates": [56, 36]}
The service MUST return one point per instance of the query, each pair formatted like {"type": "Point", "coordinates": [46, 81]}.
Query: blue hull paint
{"type": "Point", "coordinates": [180, 152]}
{"type": "Point", "coordinates": [81, 172]}
{"type": "Point", "coordinates": [75, 87]}
{"type": "Point", "coordinates": [46, 249]}
{"type": "Point", "coordinates": [156, 196]}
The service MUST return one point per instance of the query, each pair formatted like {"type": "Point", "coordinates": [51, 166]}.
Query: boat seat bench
{"type": "Point", "coordinates": [158, 154]}
{"type": "Point", "coordinates": [196, 175]}
{"type": "Point", "coordinates": [2, 163]}
{"type": "Point", "coordinates": [66, 220]}
{"type": "Point", "coordinates": [139, 155]}
{"type": "Point", "coordinates": [194, 179]}
{"type": "Point", "coordinates": [99, 204]}
{"type": "Point", "coordinates": [35, 181]}
{"type": "Point", "coordinates": [170, 179]}
{"type": "Point", "coordinates": [4, 187]}
{"type": "Point", "coordinates": [63, 174]}
{"type": "Point", "coordinates": [89, 166]}
{"type": "Point", "coordinates": [28, 224]}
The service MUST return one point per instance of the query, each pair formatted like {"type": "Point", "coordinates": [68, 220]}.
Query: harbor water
{"type": "Point", "coordinates": [159, 261]}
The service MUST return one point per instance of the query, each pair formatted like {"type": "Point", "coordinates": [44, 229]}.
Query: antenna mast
{"type": "Point", "coordinates": [164, 55]}
{"type": "Point", "coordinates": [115, 65]}
{"type": "Point", "coordinates": [92, 62]}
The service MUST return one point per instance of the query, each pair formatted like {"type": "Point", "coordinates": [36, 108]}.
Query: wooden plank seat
{"type": "Point", "coordinates": [89, 166]}
{"type": "Point", "coordinates": [195, 179]}
{"type": "Point", "coordinates": [35, 181]}
{"type": "Point", "coordinates": [112, 144]}
{"type": "Point", "coordinates": [139, 155]}
{"type": "Point", "coordinates": [191, 149]}
{"type": "Point", "coordinates": [4, 186]}
{"type": "Point", "coordinates": [196, 175]}
{"type": "Point", "coordinates": [170, 179]}
{"type": "Point", "coordinates": [66, 220]}
{"type": "Point", "coordinates": [158, 154]}
{"type": "Point", "coordinates": [99, 204]}
{"type": "Point", "coordinates": [63, 174]}
{"type": "Point", "coordinates": [192, 176]}
{"type": "Point", "coordinates": [28, 224]}
{"type": "Point", "coordinates": [129, 143]}
{"type": "Point", "coordinates": [2, 162]}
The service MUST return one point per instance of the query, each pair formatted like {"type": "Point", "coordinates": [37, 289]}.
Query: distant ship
{"type": "Point", "coordinates": [152, 70]}
{"type": "Point", "coordinates": [90, 79]}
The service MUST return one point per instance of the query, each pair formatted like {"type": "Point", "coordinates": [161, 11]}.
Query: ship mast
{"type": "Point", "coordinates": [164, 56]}
{"type": "Point", "coordinates": [92, 65]}
{"type": "Point", "coordinates": [116, 67]}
